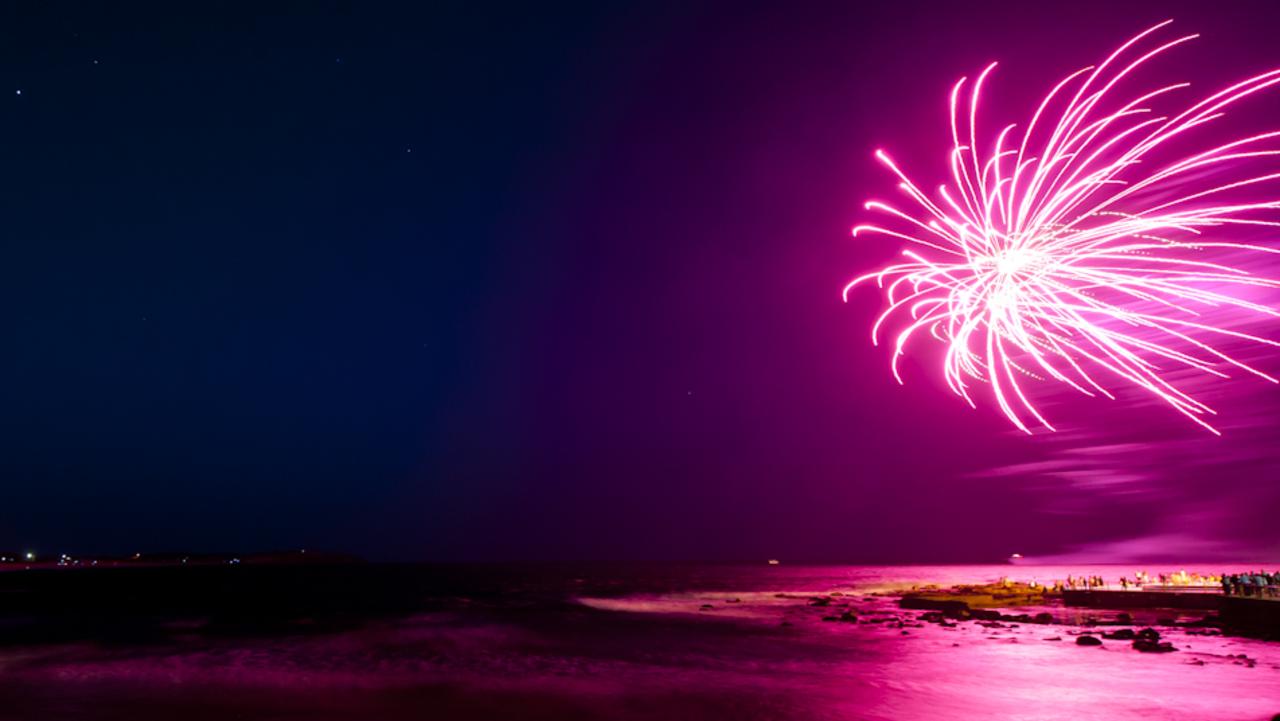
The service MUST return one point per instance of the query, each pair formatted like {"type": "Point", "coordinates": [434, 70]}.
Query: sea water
{"type": "Point", "coordinates": [655, 641]}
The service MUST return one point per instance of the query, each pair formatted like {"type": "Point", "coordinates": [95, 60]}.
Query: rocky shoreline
{"type": "Point", "coordinates": [1008, 611]}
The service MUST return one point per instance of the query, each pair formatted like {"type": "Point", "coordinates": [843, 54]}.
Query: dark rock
{"type": "Point", "coordinates": [1149, 634]}
{"type": "Point", "coordinates": [847, 617]}
{"type": "Point", "coordinates": [1148, 646]}
{"type": "Point", "coordinates": [820, 602]}
{"type": "Point", "coordinates": [984, 615]}
{"type": "Point", "coordinates": [1045, 617]}
{"type": "Point", "coordinates": [830, 618]}
{"type": "Point", "coordinates": [1088, 641]}
{"type": "Point", "coordinates": [733, 600]}
{"type": "Point", "coordinates": [1206, 622]}
{"type": "Point", "coordinates": [1124, 619]}
{"type": "Point", "coordinates": [706, 607]}
{"type": "Point", "coordinates": [932, 604]}
{"type": "Point", "coordinates": [1124, 634]}
{"type": "Point", "coordinates": [1054, 638]}
{"type": "Point", "coordinates": [1166, 621]}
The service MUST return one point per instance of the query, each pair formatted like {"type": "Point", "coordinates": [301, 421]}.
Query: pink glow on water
{"type": "Point", "coordinates": [1104, 245]}
{"type": "Point", "coordinates": [737, 642]}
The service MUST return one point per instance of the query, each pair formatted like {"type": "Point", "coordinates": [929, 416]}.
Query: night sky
{"type": "Point", "coordinates": [547, 281]}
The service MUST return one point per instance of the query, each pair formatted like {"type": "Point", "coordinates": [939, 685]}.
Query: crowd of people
{"type": "Point", "coordinates": [1074, 582]}
{"type": "Point", "coordinates": [1182, 579]}
{"type": "Point", "coordinates": [1259, 584]}
{"type": "Point", "coordinates": [1143, 579]}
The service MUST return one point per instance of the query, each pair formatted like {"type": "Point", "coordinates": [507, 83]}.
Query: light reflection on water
{"type": "Point", "coordinates": [635, 644]}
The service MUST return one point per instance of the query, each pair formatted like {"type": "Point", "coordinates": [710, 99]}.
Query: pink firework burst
{"type": "Point", "coordinates": [1103, 244]}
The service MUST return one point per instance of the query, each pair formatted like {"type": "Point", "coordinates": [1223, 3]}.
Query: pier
{"type": "Point", "coordinates": [1257, 616]}
{"type": "Point", "coordinates": [1191, 600]}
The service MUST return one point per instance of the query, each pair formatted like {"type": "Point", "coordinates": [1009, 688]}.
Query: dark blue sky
{"type": "Point", "coordinates": [474, 281]}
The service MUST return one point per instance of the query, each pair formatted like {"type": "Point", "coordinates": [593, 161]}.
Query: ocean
{"type": "Point", "coordinates": [635, 642]}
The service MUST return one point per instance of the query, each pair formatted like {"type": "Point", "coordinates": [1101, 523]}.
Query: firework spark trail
{"type": "Point", "coordinates": [1074, 253]}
